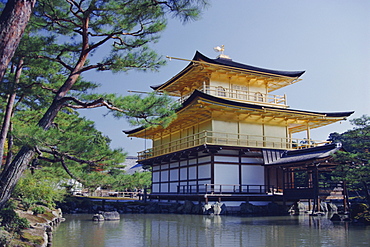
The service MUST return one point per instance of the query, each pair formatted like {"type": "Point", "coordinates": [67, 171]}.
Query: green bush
{"type": "Point", "coordinates": [28, 203]}
{"type": "Point", "coordinates": [11, 221]}
{"type": "Point", "coordinates": [38, 210]}
{"type": "Point", "coordinates": [38, 189]}
{"type": "Point", "coordinates": [5, 238]}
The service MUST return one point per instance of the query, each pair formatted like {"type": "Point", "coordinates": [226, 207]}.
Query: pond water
{"type": "Point", "coordinates": [136, 230]}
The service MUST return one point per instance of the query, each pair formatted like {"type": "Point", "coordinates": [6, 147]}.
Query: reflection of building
{"type": "Point", "coordinates": [232, 135]}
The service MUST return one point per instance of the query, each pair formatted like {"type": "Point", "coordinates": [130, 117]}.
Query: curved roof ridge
{"type": "Point", "coordinates": [230, 63]}
{"type": "Point", "coordinates": [198, 93]}
{"type": "Point", "coordinates": [199, 57]}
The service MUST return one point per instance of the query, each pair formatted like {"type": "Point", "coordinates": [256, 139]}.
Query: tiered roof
{"type": "Point", "coordinates": [200, 105]}
{"type": "Point", "coordinates": [201, 66]}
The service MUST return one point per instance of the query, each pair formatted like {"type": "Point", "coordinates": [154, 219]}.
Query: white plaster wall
{"type": "Point", "coordinates": [192, 172]}
{"type": "Point", "coordinates": [225, 127]}
{"type": "Point", "coordinates": [174, 175]}
{"type": "Point", "coordinates": [204, 126]}
{"type": "Point", "coordinates": [155, 177]}
{"type": "Point", "coordinates": [183, 173]}
{"type": "Point", "coordinates": [204, 171]}
{"type": "Point", "coordinates": [252, 160]}
{"type": "Point", "coordinates": [226, 159]}
{"type": "Point", "coordinates": [276, 131]}
{"type": "Point", "coordinates": [164, 176]}
{"type": "Point", "coordinates": [251, 129]}
{"type": "Point", "coordinates": [204, 159]}
{"type": "Point", "coordinates": [155, 188]}
{"type": "Point", "coordinates": [164, 187]}
{"type": "Point", "coordinates": [253, 175]}
{"type": "Point", "coordinates": [276, 136]}
{"type": "Point", "coordinates": [173, 187]}
{"type": "Point", "coordinates": [251, 134]}
{"type": "Point", "coordinates": [226, 174]}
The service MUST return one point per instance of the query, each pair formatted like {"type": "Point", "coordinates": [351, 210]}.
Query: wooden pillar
{"type": "Point", "coordinates": [316, 188]}
{"type": "Point", "coordinates": [283, 187]}
{"type": "Point", "coordinates": [308, 136]}
{"type": "Point", "coordinates": [291, 178]}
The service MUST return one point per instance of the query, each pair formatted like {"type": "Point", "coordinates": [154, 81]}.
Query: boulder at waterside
{"type": "Point", "coordinates": [111, 215]}
{"type": "Point", "coordinates": [101, 216]}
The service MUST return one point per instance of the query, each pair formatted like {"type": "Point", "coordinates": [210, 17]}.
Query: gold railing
{"type": "Point", "coordinates": [242, 95]}
{"type": "Point", "coordinates": [228, 139]}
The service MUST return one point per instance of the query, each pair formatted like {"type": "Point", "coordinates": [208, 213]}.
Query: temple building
{"type": "Point", "coordinates": [233, 138]}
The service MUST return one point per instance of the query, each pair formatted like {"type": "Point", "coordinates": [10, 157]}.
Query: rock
{"type": "Point", "coordinates": [218, 208]}
{"type": "Point", "coordinates": [98, 217]}
{"type": "Point", "coordinates": [248, 208]}
{"type": "Point", "coordinates": [101, 216]}
{"type": "Point", "coordinates": [301, 206]}
{"type": "Point", "coordinates": [188, 206]}
{"type": "Point", "coordinates": [113, 215]}
{"type": "Point", "coordinates": [332, 207]}
{"type": "Point", "coordinates": [207, 209]}
{"type": "Point", "coordinates": [197, 209]}
{"type": "Point", "coordinates": [297, 207]}
{"type": "Point", "coordinates": [336, 217]}
{"type": "Point", "coordinates": [324, 207]}
{"type": "Point", "coordinates": [152, 208]}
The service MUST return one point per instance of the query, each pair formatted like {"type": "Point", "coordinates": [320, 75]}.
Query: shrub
{"type": "Point", "coordinates": [32, 189]}
{"type": "Point", "coordinates": [5, 238]}
{"type": "Point", "coordinates": [38, 210]}
{"type": "Point", "coordinates": [28, 203]}
{"type": "Point", "coordinates": [11, 221]}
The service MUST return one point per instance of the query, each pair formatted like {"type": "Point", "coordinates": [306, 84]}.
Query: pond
{"type": "Point", "coordinates": [136, 230]}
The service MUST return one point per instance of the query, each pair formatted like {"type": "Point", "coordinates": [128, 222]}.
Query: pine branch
{"type": "Point", "coordinates": [58, 60]}
{"type": "Point", "coordinates": [70, 173]}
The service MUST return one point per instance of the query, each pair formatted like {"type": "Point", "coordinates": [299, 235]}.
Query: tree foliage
{"type": "Point", "coordinates": [13, 21]}
{"type": "Point", "coordinates": [62, 37]}
{"type": "Point", "coordinates": [354, 162]}
{"type": "Point", "coordinates": [41, 187]}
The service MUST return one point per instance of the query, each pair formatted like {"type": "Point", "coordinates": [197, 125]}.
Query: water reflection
{"type": "Point", "coordinates": [196, 230]}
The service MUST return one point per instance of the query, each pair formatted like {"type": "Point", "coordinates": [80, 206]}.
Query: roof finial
{"type": "Point", "coordinates": [221, 49]}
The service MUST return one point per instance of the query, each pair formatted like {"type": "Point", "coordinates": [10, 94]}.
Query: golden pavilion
{"type": "Point", "coordinates": [233, 137]}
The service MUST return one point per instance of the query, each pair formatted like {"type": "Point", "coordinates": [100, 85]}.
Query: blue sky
{"type": "Point", "coordinates": [328, 39]}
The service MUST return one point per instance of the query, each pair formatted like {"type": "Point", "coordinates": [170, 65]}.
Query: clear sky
{"type": "Point", "coordinates": [328, 39]}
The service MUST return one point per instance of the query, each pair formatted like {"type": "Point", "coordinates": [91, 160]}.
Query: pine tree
{"type": "Point", "coordinates": [354, 162]}
{"type": "Point", "coordinates": [13, 22]}
{"type": "Point", "coordinates": [128, 26]}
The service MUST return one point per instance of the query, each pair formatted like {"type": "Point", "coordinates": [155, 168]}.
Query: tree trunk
{"type": "Point", "coordinates": [9, 155]}
{"type": "Point", "coordinates": [13, 21]}
{"type": "Point", "coordinates": [9, 109]}
{"type": "Point", "coordinates": [12, 173]}
{"type": "Point", "coordinates": [10, 176]}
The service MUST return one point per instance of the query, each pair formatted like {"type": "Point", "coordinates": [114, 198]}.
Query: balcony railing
{"type": "Point", "coordinates": [224, 189]}
{"type": "Point", "coordinates": [228, 139]}
{"type": "Point", "coordinates": [242, 95]}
